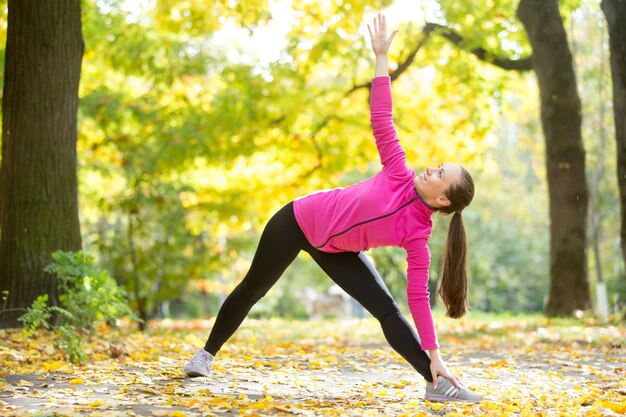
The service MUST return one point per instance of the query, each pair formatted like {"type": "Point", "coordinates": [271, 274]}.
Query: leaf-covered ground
{"type": "Point", "coordinates": [527, 366]}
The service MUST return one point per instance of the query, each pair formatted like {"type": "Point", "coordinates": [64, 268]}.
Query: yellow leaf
{"type": "Point", "coordinates": [491, 406]}
{"type": "Point", "coordinates": [396, 384]}
{"type": "Point", "coordinates": [177, 413]}
{"type": "Point", "coordinates": [284, 409]}
{"type": "Point", "coordinates": [52, 367]}
{"type": "Point", "coordinates": [499, 364]}
{"type": "Point", "coordinates": [76, 381]}
{"type": "Point", "coordinates": [147, 390]}
{"type": "Point", "coordinates": [142, 355]}
{"type": "Point", "coordinates": [618, 408]}
{"type": "Point", "coordinates": [220, 402]}
{"type": "Point", "coordinates": [192, 339]}
{"type": "Point", "coordinates": [96, 404]}
{"type": "Point", "coordinates": [25, 383]}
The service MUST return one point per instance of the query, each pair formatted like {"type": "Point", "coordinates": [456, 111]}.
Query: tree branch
{"type": "Point", "coordinates": [524, 64]}
{"type": "Point", "coordinates": [7, 310]}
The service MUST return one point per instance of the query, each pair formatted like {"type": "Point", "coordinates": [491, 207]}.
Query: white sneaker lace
{"type": "Point", "coordinates": [199, 359]}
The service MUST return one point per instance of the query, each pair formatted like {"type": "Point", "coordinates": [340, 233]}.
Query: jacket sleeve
{"type": "Point", "coordinates": [392, 156]}
{"type": "Point", "coordinates": [418, 259]}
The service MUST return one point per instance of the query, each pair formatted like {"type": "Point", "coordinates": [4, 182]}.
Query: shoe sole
{"type": "Point", "coordinates": [445, 398]}
{"type": "Point", "coordinates": [194, 374]}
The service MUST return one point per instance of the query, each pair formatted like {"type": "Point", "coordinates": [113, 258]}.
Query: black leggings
{"type": "Point", "coordinates": [280, 243]}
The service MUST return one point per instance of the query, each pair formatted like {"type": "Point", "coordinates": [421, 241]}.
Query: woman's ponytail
{"type": "Point", "coordinates": [453, 288]}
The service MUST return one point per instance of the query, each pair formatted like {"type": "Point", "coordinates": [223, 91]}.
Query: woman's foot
{"type": "Point", "coordinates": [200, 364]}
{"type": "Point", "coordinates": [447, 391]}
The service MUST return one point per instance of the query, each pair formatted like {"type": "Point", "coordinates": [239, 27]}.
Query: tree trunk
{"type": "Point", "coordinates": [565, 155]}
{"type": "Point", "coordinates": [615, 14]}
{"type": "Point", "coordinates": [38, 180]}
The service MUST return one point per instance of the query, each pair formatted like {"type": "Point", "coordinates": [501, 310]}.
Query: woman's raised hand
{"type": "Point", "coordinates": [378, 35]}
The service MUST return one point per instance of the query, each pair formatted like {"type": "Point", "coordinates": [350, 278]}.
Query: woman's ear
{"type": "Point", "coordinates": [443, 201]}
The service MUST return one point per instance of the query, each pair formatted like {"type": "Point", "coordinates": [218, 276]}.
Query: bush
{"type": "Point", "coordinates": [88, 295]}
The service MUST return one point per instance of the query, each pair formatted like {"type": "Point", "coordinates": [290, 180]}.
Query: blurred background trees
{"type": "Point", "coordinates": [197, 120]}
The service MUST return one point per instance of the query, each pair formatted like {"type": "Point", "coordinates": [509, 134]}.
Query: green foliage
{"type": "Point", "coordinates": [491, 24]}
{"type": "Point", "coordinates": [38, 314]}
{"type": "Point", "coordinates": [197, 17]}
{"type": "Point", "coordinates": [145, 239]}
{"type": "Point", "coordinates": [88, 295]}
{"type": "Point", "coordinates": [72, 343]}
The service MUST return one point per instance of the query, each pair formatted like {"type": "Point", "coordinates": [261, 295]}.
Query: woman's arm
{"type": "Point", "coordinates": [392, 156]}
{"type": "Point", "coordinates": [380, 44]}
{"type": "Point", "coordinates": [418, 298]}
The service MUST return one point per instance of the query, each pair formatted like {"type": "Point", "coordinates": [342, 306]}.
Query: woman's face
{"type": "Point", "coordinates": [433, 183]}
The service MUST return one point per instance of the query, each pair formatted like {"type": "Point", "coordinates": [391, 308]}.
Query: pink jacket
{"type": "Point", "coordinates": [384, 210]}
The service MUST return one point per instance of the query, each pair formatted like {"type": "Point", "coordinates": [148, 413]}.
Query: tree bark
{"type": "Point", "coordinates": [38, 178]}
{"type": "Point", "coordinates": [565, 156]}
{"type": "Point", "coordinates": [615, 14]}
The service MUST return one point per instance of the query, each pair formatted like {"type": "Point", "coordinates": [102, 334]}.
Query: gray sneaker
{"type": "Point", "coordinates": [200, 364]}
{"type": "Point", "coordinates": [447, 391]}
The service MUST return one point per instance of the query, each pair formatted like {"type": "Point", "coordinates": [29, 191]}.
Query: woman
{"type": "Point", "coordinates": [392, 208]}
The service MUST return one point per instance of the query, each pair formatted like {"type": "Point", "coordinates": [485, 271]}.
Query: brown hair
{"type": "Point", "coordinates": [453, 283]}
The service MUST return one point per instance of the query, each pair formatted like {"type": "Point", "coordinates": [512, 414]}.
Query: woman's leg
{"type": "Point", "coordinates": [281, 241]}
{"type": "Point", "coordinates": [357, 276]}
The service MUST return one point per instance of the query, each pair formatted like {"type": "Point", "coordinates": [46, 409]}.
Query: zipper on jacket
{"type": "Point", "coordinates": [373, 219]}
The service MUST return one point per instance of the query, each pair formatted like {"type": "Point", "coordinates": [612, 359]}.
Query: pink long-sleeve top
{"type": "Point", "coordinates": [384, 210]}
